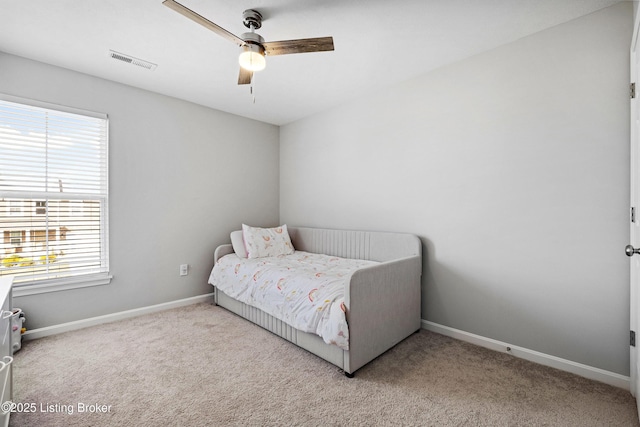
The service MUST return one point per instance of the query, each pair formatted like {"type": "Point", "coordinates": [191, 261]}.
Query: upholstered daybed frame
{"type": "Point", "coordinates": [382, 301]}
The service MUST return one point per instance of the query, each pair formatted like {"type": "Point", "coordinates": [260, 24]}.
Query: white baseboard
{"type": "Point", "coordinates": [92, 321]}
{"type": "Point", "coordinates": [586, 371]}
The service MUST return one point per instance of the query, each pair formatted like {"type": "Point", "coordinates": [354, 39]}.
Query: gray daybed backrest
{"type": "Point", "coordinates": [370, 245]}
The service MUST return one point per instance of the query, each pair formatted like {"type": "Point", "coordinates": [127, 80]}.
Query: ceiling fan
{"type": "Point", "coordinates": [253, 47]}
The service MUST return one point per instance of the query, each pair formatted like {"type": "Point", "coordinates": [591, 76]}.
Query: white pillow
{"type": "Point", "coordinates": [238, 244]}
{"type": "Point", "coordinates": [264, 242]}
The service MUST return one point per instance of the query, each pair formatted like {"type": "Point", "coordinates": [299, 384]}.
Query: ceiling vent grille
{"type": "Point", "coordinates": [131, 60]}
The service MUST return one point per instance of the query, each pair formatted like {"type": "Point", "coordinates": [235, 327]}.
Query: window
{"type": "Point", "coordinates": [53, 190]}
{"type": "Point", "coordinates": [15, 238]}
{"type": "Point", "coordinates": [41, 207]}
{"type": "Point", "coordinates": [15, 207]}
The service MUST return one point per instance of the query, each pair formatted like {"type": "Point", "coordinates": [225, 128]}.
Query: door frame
{"type": "Point", "coordinates": [634, 232]}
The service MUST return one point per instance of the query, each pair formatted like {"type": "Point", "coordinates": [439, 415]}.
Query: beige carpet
{"type": "Point", "coordinates": [203, 366]}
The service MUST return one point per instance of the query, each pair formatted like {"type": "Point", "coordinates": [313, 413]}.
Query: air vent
{"type": "Point", "coordinates": [131, 60]}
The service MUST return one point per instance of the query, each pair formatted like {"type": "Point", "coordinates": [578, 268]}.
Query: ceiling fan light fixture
{"type": "Point", "coordinates": [252, 57]}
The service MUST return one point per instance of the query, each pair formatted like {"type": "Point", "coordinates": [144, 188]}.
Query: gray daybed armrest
{"type": "Point", "coordinates": [383, 307]}
{"type": "Point", "coordinates": [221, 251]}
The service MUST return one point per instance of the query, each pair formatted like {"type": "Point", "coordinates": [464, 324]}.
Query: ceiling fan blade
{"type": "Point", "coordinates": [285, 47]}
{"type": "Point", "coordinates": [245, 76]}
{"type": "Point", "coordinates": [185, 11]}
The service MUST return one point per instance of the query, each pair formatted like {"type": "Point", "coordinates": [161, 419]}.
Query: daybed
{"type": "Point", "coordinates": [381, 301]}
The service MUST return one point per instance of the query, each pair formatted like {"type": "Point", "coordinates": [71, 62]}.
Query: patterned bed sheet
{"type": "Point", "coordinates": [304, 290]}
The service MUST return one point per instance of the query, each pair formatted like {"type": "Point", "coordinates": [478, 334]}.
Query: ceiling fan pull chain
{"type": "Point", "coordinates": [253, 95]}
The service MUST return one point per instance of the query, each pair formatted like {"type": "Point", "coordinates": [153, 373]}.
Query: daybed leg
{"type": "Point", "coordinates": [348, 374]}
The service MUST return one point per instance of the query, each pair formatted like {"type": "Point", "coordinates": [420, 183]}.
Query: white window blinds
{"type": "Point", "coordinates": [53, 193]}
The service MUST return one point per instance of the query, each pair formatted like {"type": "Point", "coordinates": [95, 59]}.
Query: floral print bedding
{"type": "Point", "coordinates": [304, 290]}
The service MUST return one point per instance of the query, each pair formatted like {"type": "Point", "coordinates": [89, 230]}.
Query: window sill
{"type": "Point", "coordinates": [56, 285]}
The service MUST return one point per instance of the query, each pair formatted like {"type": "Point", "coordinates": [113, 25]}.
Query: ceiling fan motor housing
{"type": "Point", "coordinates": [252, 38]}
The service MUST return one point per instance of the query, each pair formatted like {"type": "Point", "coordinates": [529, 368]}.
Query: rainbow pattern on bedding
{"type": "Point", "coordinates": [303, 289]}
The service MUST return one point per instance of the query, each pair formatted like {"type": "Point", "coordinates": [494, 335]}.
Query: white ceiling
{"type": "Point", "coordinates": [377, 44]}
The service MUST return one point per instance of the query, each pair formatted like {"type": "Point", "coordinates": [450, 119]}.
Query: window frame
{"type": "Point", "coordinates": [38, 286]}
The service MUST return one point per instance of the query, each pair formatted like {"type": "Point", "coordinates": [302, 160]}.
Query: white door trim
{"type": "Point", "coordinates": [634, 230]}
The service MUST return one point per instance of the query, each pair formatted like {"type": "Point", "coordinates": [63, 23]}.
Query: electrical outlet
{"type": "Point", "coordinates": [184, 269]}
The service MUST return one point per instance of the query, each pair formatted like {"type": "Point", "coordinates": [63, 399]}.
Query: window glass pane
{"type": "Point", "coordinates": [53, 192]}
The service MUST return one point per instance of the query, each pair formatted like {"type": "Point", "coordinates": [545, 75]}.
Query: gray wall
{"type": "Point", "coordinates": [513, 168]}
{"type": "Point", "coordinates": [182, 177]}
